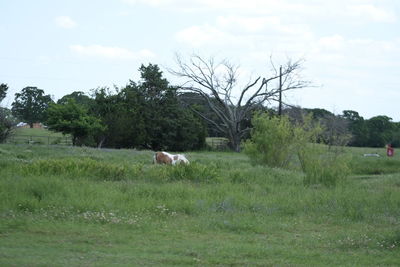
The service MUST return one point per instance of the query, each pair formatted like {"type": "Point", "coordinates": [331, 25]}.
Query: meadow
{"type": "Point", "coordinates": [69, 206]}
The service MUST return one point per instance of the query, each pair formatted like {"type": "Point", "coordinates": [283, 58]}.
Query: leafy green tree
{"type": "Point", "coordinates": [6, 124]}
{"type": "Point", "coordinates": [380, 130]}
{"type": "Point", "coordinates": [357, 127]}
{"type": "Point", "coordinates": [168, 124]}
{"type": "Point", "coordinates": [123, 114]}
{"type": "Point", "coordinates": [318, 113]}
{"type": "Point", "coordinates": [80, 98]}
{"type": "Point", "coordinates": [395, 141]}
{"type": "Point", "coordinates": [71, 118]}
{"type": "Point", "coordinates": [147, 114]}
{"type": "Point", "coordinates": [3, 91]}
{"type": "Point", "coordinates": [6, 121]}
{"type": "Point", "coordinates": [181, 129]}
{"type": "Point", "coordinates": [30, 105]}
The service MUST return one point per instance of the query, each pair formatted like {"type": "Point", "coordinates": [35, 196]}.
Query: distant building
{"type": "Point", "coordinates": [37, 125]}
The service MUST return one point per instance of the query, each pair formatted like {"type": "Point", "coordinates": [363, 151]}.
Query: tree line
{"type": "Point", "coordinates": [152, 114]}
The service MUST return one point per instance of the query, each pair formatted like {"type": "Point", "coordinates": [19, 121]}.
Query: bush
{"type": "Point", "coordinates": [271, 141]}
{"type": "Point", "coordinates": [275, 141]}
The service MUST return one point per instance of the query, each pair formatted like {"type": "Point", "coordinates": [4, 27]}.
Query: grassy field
{"type": "Point", "coordinates": [69, 206]}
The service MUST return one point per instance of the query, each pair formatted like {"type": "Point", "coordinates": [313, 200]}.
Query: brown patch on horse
{"type": "Point", "coordinates": [161, 158]}
{"type": "Point", "coordinates": [176, 157]}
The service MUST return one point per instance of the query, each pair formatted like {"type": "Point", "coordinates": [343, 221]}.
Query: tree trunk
{"type": "Point", "coordinates": [235, 142]}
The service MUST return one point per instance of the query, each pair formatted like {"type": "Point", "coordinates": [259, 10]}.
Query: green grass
{"type": "Point", "coordinates": [66, 206]}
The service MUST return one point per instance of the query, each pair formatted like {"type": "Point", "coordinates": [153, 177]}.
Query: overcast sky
{"type": "Point", "coordinates": [351, 47]}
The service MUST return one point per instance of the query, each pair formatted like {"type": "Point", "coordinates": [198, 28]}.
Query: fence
{"type": "Point", "coordinates": [217, 143]}
{"type": "Point", "coordinates": [42, 140]}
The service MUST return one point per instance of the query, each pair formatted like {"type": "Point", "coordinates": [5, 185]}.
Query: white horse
{"type": "Point", "coordinates": [167, 158]}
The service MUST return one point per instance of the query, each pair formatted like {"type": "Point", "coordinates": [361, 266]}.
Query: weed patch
{"type": "Point", "coordinates": [82, 168]}
{"type": "Point", "coordinates": [194, 172]}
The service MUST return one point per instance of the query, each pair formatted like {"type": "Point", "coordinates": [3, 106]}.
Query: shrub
{"type": "Point", "coordinates": [276, 140]}
{"type": "Point", "coordinates": [271, 141]}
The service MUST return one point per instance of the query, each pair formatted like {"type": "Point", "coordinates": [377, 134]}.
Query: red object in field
{"type": "Point", "coordinates": [389, 151]}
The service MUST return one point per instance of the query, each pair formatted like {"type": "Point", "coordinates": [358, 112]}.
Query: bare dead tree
{"type": "Point", "coordinates": [217, 84]}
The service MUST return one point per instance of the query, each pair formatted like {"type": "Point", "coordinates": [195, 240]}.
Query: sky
{"type": "Point", "coordinates": [350, 48]}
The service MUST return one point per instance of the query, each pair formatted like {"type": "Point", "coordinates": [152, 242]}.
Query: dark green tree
{"type": "Point", "coordinates": [123, 114]}
{"type": "Point", "coordinates": [380, 129]}
{"type": "Point", "coordinates": [71, 118]}
{"type": "Point", "coordinates": [319, 113]}
{"type": "Point", "coordinates": [80, 98]}
{"type": "Point", "coordinates": [6, 121]}
{"type": "Point", "coordinates": [357, 127]}
{"type": "Point", "coordinates": [147, 114]}
{"type": "Point", "coordinates": [3, 91]}
{"type": "Point", "coordinates": [169, 125]}
{"type": "Point", "coordinates": [30, 105]}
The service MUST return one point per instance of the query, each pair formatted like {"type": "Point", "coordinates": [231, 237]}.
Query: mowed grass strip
{"type": "Point", "coordinates": [83, 206]}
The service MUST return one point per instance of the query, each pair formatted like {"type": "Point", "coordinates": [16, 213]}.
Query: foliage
{"type": "Point", "coordinates": [6, 119]}
{"type": "Point", "coordinates": [122, 114]}
{"type": "Point", "coordinates": [335, 129]}
{"type": "Point", "coordinates": [377, 131]}
{"type": "Point", "coordinates": [6, 124]}
{"type": "Point", "coordinates": [380, 131]}
{"type": "Point", "coordinates": [30, 105]}
{"type": "Point", "coordinates": [272, 141]}
{"type": "Point", "coordinates": [80, 98]}
{"type": "Point", "coordinates": [148, 115]}
{"type": "Point", "coordinates": [71, 118]}
{"type": "Point", "coordinates": [275, 140]}
{"type": "Point", "coordinates": [357, 128]}
{"type": "Point", "coordinates": [351, 128]}
{"type": "Point", "coordinates": [3, 91]}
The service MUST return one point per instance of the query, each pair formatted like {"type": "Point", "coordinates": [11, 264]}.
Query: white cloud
{"type": "Point", "coordinates": [247, 24]}
{"type": "Point", "coordinates": [65, 22]}
{"type": "Point", "coordinates": [372, 12]}
{"type": "Point", "coordinates": [110, 52]}
{"type": "Point", "coordinates": [251, 33]}
{"type": "Point", "coordinates": [198, 36]}
{"type": "Point", "coordinates": [335, 42]}
{"type": "Point", "coordinates": [366, 10]}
